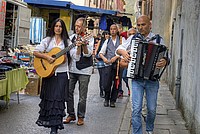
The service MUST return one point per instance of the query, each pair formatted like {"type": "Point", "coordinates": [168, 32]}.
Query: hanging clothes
{"type": "Point", "coordinates": [125, 21]}
{"type": "Point", "coordinates": [109, 23]}
{"type": "Point", "coordinates": [37, 30]}
{"type": "Point", "coordinates": [103, 22]}
{"type": "Point", "coordinates": [91, 24]}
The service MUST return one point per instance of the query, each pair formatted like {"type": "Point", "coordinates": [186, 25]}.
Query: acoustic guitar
{"type": "Point", "coordinates": [44, 68]}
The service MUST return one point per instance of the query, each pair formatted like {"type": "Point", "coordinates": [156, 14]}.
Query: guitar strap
{"type": "Point", "coordinates": [73, 39]}
{"type": "Point", "coordinates": [68, 53]}
{"type": "Point", "coordinates": [47, 45]}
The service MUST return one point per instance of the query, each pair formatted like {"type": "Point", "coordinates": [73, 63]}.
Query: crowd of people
{"type": "Point", "coordinates": [111, 52]}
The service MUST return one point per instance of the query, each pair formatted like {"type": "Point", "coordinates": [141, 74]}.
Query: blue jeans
{"type": "Point", "coordinates": [151, 89]}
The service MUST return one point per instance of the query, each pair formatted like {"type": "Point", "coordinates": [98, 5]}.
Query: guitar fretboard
{"type": "Point", "coordinates": [64, 50]}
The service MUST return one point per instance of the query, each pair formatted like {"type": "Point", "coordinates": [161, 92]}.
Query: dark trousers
{"type": "Point", "coordinates": [120, 78]}
{"type": "Point", "coordinates": [83, 81]}
{"type": "Point", "coordinates": [101, 77]}
{"type": "Point", "coordinates": [109, 83]}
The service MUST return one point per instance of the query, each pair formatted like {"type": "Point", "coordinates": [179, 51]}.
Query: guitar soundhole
{"type": "Point", "coordinates": [53, 56]}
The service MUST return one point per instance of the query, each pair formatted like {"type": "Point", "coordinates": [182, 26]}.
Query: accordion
{"type": "Point", "coordinates": [144, 56]}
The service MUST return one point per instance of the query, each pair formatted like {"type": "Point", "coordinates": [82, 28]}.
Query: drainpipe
{"type": "Point", "coordinates": [178, 78]}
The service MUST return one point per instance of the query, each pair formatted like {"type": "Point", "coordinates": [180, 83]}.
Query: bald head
{"type": "Point", "coordinates": [144, 25]}
{"type": "Point", "coordinates": [145, 18]}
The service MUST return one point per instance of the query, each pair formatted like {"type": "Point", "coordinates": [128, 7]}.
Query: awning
{"type": "Point", "coordinates": [68, 5]}
{"type": "Point", "coordinates": [90, 9]}
{"type": "Point", "coordinates": [48, 3]}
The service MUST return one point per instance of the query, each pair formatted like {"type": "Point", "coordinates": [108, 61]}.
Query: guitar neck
{"type": "Point", "coordinates": [65, 50]}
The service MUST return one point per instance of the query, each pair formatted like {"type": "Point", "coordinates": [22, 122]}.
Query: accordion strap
{"type": "Point", "coordinates": [162, 72]}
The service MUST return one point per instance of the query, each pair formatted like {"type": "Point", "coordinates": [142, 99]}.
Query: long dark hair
{"type": "Point", "coordinates": [103, 38]}
{"type": "Point", "coordinates": [64, 34]}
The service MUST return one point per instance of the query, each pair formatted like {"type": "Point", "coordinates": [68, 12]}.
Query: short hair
{"type": "Point", "coordinates": [84, 24]}
{"type": "Point", "coordinates": [114, 25]}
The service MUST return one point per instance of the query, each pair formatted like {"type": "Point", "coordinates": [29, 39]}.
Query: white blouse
{"type": "Point", "coordinates": [47, 44]}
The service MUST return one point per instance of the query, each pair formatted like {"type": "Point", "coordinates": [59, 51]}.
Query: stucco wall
{"type": "Point", "coordinates": [161, 21]}
{"type": "Point", "coordinates": [190, 70]}
{"type": "Point", "coordinates": [183, 14]}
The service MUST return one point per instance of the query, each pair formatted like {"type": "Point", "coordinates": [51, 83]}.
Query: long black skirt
{"type": "Point", "coordinates": [53, 97]}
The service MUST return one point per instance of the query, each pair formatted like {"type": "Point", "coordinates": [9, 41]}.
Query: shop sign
{"type": "Point", "coordinates": [2, 13]}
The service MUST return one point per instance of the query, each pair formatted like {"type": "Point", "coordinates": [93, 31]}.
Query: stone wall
{"type": "Point", "coordinates": [170, 17]}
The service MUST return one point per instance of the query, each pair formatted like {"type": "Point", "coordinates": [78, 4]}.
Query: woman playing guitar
{"type": "Point", "coordinates": [52, 105]}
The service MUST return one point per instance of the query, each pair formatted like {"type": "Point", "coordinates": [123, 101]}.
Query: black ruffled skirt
{"type": "Point", "coordinates": [53, 96]}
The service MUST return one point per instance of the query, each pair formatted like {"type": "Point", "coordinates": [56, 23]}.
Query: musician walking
{"type": "Point", "coordinates": [131, 31]}
{"type": "Point", "coordinates": [107, 54]}
{"type": "Point", "coordinates": [141, 85]}
{"type": "Point", "coordinates": [79, 72]}
{"type": "Point", "coordinates": [52, 105]}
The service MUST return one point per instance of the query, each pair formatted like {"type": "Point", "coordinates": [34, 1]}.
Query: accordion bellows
{"type": "Point", "coordinates": [144, 56]}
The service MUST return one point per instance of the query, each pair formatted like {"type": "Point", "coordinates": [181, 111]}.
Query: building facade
{"type": "Point", "coordinates": [2, 21]}
{"type": "Point", "coordinates": [117, 5]}
{"type": "Point", "coordinates": [146, 7]}
{"type": "Point", "coordinates": [15, 24]}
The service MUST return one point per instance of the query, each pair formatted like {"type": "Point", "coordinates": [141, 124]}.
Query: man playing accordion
{"type": "Point", "coordinates": [141, 85]}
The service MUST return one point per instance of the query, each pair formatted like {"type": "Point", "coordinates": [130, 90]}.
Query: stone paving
{"type": "Point", "coordinates": [168, 119]}
{"type": "Point", "coordinates": [20, 118]}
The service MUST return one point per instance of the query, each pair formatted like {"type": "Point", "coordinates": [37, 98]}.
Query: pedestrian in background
{"type": "Point", "coordinates": [107, 53]}
{"type": "Point", "coordinates": [123, 37]}
{"type": "Point", "coordinates": [53, 95]}
{"type": "Point", "coordinates": [123, 64]}
{"type": "Point", "coordinates": [99, 62]}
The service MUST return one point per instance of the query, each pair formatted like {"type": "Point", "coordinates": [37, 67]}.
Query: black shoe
{"type": "Point", "coordinates": [54, 130]}
{"type": "Point", "coordinates": [106, 103]}
{"type": "Point", "coordinates": [112, 104]}
{"type": "Point", "coordinates": [102, 94]}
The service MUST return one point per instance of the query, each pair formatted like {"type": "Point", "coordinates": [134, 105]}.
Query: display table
{"type": "Point", "coordinates": [16, 80]}
{"type": "Point", "coordinates": [3, 87]}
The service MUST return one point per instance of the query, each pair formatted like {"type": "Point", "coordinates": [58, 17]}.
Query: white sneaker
{"type": "Point", "coordinates": [149, 132]}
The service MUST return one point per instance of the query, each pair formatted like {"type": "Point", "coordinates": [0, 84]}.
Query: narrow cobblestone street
{"type": "Point", "coordinates": [20, 118]}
